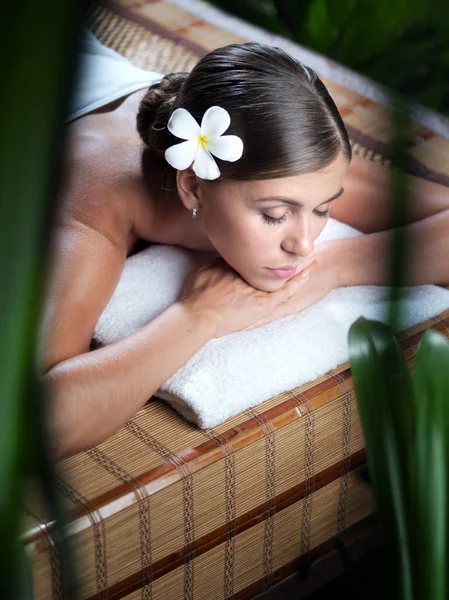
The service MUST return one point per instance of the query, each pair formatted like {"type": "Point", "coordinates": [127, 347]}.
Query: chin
{"type": "Point", "coordinates": [272, 287]}
{"type": "Point", "coordinates": [264, 285]}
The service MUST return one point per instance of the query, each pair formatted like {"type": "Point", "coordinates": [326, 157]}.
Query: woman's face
{"type": "Point", "coordinates": [270, 224]}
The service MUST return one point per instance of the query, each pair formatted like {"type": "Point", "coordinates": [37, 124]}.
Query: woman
{"type": "Point", "coordinates": [258, 209]}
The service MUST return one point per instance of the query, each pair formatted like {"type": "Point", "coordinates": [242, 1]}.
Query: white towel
{"type": "Point", "coordinates": [238, 371]}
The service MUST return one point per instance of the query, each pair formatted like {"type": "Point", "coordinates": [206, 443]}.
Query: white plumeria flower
{"type": "Point", "coordinates": [202, 141]}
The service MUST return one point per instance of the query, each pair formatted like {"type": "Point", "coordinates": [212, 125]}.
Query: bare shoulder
{"type": "Point", "coordinates": [93, 233]}
{"type": "Point", "coordinates": [103, 187]}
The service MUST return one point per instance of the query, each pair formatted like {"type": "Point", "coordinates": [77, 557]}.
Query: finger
{"type": "Point", "coordinates": [308, 266]}
{"type": "Point", "coordinates": [288, 291]}
{"type": "Point", "coordinates": [292, 286]}
{"type": "Point", "coordinates": [298, 280]}
{"type": "Point", "coordinates": [307, 262]}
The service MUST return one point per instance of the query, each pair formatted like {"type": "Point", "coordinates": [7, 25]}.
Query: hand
{"type": "Point", "coordinates": [322, 276]}
{"type": "Point", "coordinates": [219, 294]}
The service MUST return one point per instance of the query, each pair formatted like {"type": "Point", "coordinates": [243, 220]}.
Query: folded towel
{"type": "Point", "coordinates": [232, 373]}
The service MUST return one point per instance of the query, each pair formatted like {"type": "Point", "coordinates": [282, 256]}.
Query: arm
{"type": "Point", "coordinates": [365, 206]}
{"type": "Point", "coordinates": [92, 394]}
{"type": "Point", "coordinates": [363, 260]}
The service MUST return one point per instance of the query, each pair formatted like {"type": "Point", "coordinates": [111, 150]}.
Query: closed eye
{"type": "Point", "coordinates": [272, 221]}
{"type": "Point", "coordinates": [323, 214]}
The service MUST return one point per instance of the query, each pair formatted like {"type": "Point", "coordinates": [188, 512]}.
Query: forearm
{"type": "Point", "coordinates": [94, 394]}
{"type": "Point", "coordinates": [366, 203]}
{"type": "Point", "coordinates": [364, 260]}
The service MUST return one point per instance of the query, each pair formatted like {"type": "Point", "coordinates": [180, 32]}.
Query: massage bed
{"type": "Point", "coordinates": [168, 511]}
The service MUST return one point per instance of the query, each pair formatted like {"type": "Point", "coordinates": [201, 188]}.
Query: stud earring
{"type": "Point", "coordinates": [194, 213]}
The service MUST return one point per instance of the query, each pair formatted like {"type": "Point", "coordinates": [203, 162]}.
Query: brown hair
{"type": "Point", "coordinates": [279, 107]}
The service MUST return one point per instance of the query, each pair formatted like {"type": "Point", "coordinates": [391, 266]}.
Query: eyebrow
{"type": "Point", "coordinates": [294, 203]}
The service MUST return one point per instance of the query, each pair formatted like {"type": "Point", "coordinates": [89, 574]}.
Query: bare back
{"type": "Point", "coordinates": [105, 209]}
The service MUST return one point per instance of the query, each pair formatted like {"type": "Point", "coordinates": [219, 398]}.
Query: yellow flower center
{"type": "Point", "coordinates": [203, 141]}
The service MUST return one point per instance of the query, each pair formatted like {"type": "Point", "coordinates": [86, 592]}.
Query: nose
{"type": "Point", "coordinates": [299, 239]}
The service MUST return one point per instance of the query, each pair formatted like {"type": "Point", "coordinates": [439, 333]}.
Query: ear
{"type": "Point", "coordinates": [189, 188]}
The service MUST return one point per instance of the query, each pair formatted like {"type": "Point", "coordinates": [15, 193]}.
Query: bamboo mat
{"type": "Point", "coordinates": [166, 511]}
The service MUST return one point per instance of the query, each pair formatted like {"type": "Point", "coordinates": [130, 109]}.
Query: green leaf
{"type": "Point", "coordinates": [293, 16]}
{"type": "Point", "coordinates": [430, 463]}
{"type": "Point", "coordinates": [260, 12]}
{"type": "Point", "coordinates": [384, 396]}
{"type": "Point", "coordinates": [321, 32]}
{"type": "Point", "coordinates": [36, 43]}
{"type": "Point", "coordinates": [401, 44]}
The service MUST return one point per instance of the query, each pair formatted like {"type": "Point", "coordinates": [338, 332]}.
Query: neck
{"type": "Point", "coordinates": [174, 224]}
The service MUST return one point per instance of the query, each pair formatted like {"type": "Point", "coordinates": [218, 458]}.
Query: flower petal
{"type": "Point", "coordinates": [181, 156]}
{"type": "Point", "coordinates": [226, 147]}
{"type": "Point", "coordinates": [215, 121]}
{"type": "Point", "coordinates": [183, 125]}
{"type": "Point", "coordinates": [204, 165]}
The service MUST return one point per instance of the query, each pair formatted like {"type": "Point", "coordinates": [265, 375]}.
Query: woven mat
{"type": "Point", "coordinates": [163, 510]}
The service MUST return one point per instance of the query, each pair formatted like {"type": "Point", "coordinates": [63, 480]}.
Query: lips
{"type": "Point", "coordinates": [284, 273]}
{"type": "Point", "coordinates": [284, 268]}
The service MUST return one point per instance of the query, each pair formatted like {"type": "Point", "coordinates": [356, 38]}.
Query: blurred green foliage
{"type": "Point", "coordinates": [36, 46]}
{"type": "Point", "coordinates": [401, 44]}
{"type": "Point", "coordinates": [406, 429]}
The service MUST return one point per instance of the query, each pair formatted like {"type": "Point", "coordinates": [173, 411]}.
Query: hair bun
{"type": "Point", "coordinates": [157, 104]}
